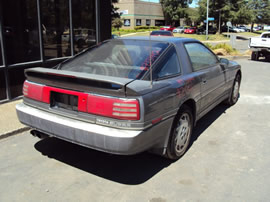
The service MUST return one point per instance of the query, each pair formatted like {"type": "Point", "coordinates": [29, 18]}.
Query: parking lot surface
{"type": "Point", "coordinates": [229, 160]}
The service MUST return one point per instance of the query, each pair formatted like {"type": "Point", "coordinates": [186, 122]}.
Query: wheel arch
{"type": "Point", "coordinates": [192, 105]}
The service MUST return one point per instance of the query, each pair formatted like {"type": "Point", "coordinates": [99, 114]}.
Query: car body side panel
{"type": "Point", "coordinates": [212, 85]}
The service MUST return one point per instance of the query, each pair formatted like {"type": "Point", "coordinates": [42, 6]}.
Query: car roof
{"type": "Point", "coordinates": [162, 39]}
{"type": "Point", "coordinates": [162, 31]}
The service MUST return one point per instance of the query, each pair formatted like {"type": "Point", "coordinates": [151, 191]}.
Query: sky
{"type": "Point", "coordinates": [191, 5]}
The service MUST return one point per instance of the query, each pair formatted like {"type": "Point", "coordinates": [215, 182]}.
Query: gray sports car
{"type": "Point", "coordinates": [129, 95]}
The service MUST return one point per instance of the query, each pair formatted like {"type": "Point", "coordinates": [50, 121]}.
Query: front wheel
{"type": "Point", "coordinates": [255, 55]}
{"type": "Point", "coordinates": [234, 96]}
{"type": "Point", "coordinates": [180, 134]}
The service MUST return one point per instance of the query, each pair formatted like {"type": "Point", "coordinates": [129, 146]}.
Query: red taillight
{"type": "Point", "coordinates": [34, 91]}
{"type": "Point", "coordinates": [127, 109]}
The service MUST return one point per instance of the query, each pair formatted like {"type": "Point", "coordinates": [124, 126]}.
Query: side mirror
{"type": "Point", "coordinates": [224, 61]}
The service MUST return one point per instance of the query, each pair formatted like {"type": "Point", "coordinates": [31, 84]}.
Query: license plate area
{"type": "Point", "coordinates": [64, 101]}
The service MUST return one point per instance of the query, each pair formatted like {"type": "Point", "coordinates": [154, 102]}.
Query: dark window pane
{"type": "Point", "coordinates": [138, 22]}
{"type": "Point", "coordinates": [119, 58]}
{"type": "Point", "coordinates": [55, 28]}
{"type": "Point", "coordinates": [148, 22]}
{"type": "Point", "coordinates": [169, 66]}
{"type": "Point", "coordinates": [16, 79]}
{"type": "Point", "coordinates": [126, 22]}
{"type": "Point", "coordinates": [21, 31]}
{"type": "Point", "coordinates": [84, 24]}
{"type": "Point", "coordinates": [3, 95]}
{"type": "Point", "coordinates": [1, 61]}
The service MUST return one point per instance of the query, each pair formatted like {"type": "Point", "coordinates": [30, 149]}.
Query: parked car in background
{"type": "Point", "coordinates": [256, 29]}
{"type": "Point", "coordinates": [260, 46]}
{"type": "Point", "coordinates": [190, 30]}
{"type": "Point", "coordinates": [81, 36]}
{"type": "Point", "coordinates": [161, 33]}
{"type": "Point", "coordinates": [246, 29]}
{"type": "Point", "coordinates": [202, 30]}
{"type": "Point", "coordinates": [114, 36]}
{"type": "Point", "coordinates": [226, 29]}
{"type": "Point", "coordinates": [266, 28]}
{"type": "Point", "coordinates": [129, 95]}
{"type": "Point", "coordinates": [237, 30]}
{"type": "Point", "coordinates": [179, 30]}
{"type": "Point", "coordinates": [167, 28]}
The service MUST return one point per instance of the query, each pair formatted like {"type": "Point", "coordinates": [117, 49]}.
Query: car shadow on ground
{"type": "Point", "coordinates": [129, 170]}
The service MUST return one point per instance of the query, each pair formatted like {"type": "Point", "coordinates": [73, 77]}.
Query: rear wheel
{"type": "Point", "coordinates": [181, 134]}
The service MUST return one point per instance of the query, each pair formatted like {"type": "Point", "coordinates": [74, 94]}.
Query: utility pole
{"type": "Point", "coordinates": [219, 21]}
{"type": "Point", "coordinates": [207, 13]}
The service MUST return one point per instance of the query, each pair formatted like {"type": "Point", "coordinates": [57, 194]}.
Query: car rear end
{"type": "Point", "coordinates": [87, 100]}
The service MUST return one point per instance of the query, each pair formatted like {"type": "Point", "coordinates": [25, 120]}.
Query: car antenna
{"type": "Point", "coordinates": [151, 72]}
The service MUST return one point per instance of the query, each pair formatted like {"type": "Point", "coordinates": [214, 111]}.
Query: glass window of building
{"type": "Point", "coordinates": [159, 22]}
{"type": "Point", "coordinates": [1, 60]}
{"type": "Point", "coordinates": [20, 29]}
{"type": "Point", "coordinates": [2, 85]}
{"type": "Point", "coordinates": [127, 22]}
{"type": "Point", "coordinates": [84, 24]}
{"type": "Point", "coordinates": [55, 28]}
{"type": "Point", "coordinates": [148, 22]}
{"type": "Point", "coordinates": [138, 22]}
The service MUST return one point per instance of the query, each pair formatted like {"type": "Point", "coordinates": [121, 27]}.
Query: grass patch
{"type": "Point", "coordinates": [211, 37]}
{"type": "Point", "coordinates": [228, 48]}
{"type": "Point", "coordinates": [248, 34]}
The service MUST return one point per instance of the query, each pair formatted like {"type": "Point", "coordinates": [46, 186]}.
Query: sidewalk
{"type": "Point", "coordinates": [9, 123]}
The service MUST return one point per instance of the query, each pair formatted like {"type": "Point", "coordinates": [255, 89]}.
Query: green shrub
{"type": "Point", "coordinates": [145, 27]}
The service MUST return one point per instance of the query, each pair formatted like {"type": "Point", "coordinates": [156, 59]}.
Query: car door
{"type": "Point", "coordinates": [213, 76]}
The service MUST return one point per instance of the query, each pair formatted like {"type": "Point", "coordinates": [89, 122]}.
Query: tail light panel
{"type": "Point", "coordinates": [124, 109]}
{"type": "Point", "coordinates": [127, 109]}
{"type": "Point", "coordinates": [34, 91]}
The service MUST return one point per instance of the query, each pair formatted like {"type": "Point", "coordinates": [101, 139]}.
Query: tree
{"type": "Point", "coordinates": [192, 16]}
{"type": "Point", "coordinates": [117, 23]}
{"type": "Point", "coordinates": [239, 12]}
{"type": "Point", "coordinates": [173, 10]}
{"type": "Point", "coordinates": [260, 11]}
{"type": "Point", "coordinates": [218, 9]}
{"type": "Point", "coordinates": [114, 12]}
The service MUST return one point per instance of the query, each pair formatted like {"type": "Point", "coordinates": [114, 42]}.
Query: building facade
{"type": "Point", "coordinates": [140, 13]}
{"type": "Point", "coordinates": [45, 32]}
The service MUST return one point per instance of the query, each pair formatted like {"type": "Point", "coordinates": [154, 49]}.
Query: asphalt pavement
{"type": "Point", "coordinates": [229, 160]}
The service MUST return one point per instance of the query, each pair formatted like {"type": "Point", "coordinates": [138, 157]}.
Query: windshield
{"type": "Point", "coordinates": [124, 58]}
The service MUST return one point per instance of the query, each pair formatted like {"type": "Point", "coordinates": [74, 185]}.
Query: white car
{"type": "Point", "coordinates": [238, 30]}
{"type": "Point", "coordinates": [179, 30]}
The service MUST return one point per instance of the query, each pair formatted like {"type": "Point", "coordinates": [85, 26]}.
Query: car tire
{"type": "Point", "coordinates": [181, 132]}
{"type": "Point", "coordinates": [234, 95]}
{"type": "Point", "coordinates": [255, 55]}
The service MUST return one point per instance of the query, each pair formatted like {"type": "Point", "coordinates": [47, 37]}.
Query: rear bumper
{"type": "Point", "coordinates": [103, 138]}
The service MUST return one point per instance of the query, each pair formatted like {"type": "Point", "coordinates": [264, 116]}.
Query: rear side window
{"type": "Point", "coordinates": [200, 56]}
{"type": "Point", "coordinates": [168, 66]}
{"type": "Point", "coordinates": [266, 36]}
{"type": "Point", "coordinates": [124, 58]}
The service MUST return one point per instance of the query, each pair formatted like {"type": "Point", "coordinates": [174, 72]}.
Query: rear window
{"type": "Point", "coordinates": [161, 33]}
{"type": "Point", "coordinates": [119, 58]}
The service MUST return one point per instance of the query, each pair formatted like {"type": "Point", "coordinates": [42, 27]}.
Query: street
{"type": "Point", "coordinates": [229, 160]}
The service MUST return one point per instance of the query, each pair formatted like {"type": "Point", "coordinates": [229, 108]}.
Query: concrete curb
{"type": "Point", "coordinates": [237, 57]}
{"type": "Point", "coordinates": [14, 132]}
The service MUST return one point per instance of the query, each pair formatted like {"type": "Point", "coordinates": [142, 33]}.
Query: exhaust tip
{"type": "Point", "coordinates": [38, 134]}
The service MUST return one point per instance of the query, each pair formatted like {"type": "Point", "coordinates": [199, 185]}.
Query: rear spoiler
{"type": "Point", "coordinates": [78, 81]}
